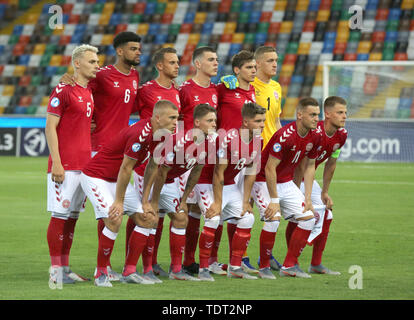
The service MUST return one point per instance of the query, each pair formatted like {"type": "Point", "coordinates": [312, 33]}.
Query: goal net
{"type": "Point", "coordinates": [380, 103]}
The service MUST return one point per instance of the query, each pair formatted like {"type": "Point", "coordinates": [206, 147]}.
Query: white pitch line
{"type": "Point", "coordinates": [372, 182]}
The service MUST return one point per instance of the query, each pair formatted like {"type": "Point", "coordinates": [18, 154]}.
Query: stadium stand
{"type": "Point", "coordinates": [305, 32]}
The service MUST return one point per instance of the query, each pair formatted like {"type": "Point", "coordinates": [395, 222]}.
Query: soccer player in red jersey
{"type": "Point", "coordinates": [68, 124]}
{"type": "Point", "coordinates": [232, 101]}
{"type": "Point", "coordinates": [219, 196]}
{"type": "Point", "coordinates": [197, 90]}
{"type": "Point", "coordinates": [182, 153]}
{"type": "Point", "coordinates": [105, 180]}
{"type": "Point", "coordinates": [333, 138]}
{"type": "Point", "coordinates": [115, 91]}
{"type": "Point", "coordinates": [166, 62]}
{"type": "Point", "coordinates": [275, 192]}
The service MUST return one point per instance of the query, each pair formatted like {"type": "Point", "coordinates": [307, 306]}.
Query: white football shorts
{"type": "Point", "coordinates": [65, 197]}
{"type": "Point", "coordinates": [232, 200]}
{"type": "Point", "coordinates": [101, 193]}
{"type": "Point", "coordinates": [292, 200]}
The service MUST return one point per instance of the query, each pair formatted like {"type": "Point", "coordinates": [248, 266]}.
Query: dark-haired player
{"type": "Point", "coordinates": [276, 194]}
{"type": "Point", "coordinates": [333, 138]}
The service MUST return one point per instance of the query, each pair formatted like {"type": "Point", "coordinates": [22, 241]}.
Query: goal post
{"type": "Point", "coordinates": [380, 104]}
{"type": "Point", "coordinates": [373, 89]}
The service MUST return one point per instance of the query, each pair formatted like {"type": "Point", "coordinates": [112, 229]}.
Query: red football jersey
{"type": "Point", "coordinates": [74, 105]}
{"type": "Point", "coordinates": [114, 93]}
{"type": "Point", "coordinates": [191, 95]}
{"type": "Point", "coordinates": [238, 153]}
{"type": "Point", "coordinates": [134, 142]}
{"type": "Point", "coordinates": [181, 154]}
{"type": "Point", "coordinates": [150, 93]}
{"type": "Point", "coordinates": [287, 146]}
{"type": "Point", "coordinates": [328, 144]}
{"type": "Point", "coordinates": [230, 105]}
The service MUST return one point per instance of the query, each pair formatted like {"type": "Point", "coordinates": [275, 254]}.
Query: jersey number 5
{"type": "Point", "coordinates": [88, 109]}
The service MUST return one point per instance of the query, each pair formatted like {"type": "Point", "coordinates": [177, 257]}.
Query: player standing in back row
{"type": "Point", "coordinates": [115, 92]}
{"type": "Point", "coordinates": [68, 124]}
{"type": "Point", "coordinates": [166, 62]}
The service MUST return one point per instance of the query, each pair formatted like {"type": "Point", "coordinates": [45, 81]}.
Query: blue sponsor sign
{"type": "Point", "coordinates": [379, 141]}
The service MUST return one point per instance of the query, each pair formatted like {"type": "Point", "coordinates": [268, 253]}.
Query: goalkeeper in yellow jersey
{"type": "Point", "coordinates": [269, 96]}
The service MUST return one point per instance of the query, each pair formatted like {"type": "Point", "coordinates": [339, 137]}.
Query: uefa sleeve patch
{"type": "Point", "coordinates": [277, 147]}
{"type": "Point", "coordinates": [220, 153]}
{"type": "Point", "coordinates": [55, 102]}
{"type": "Point", "coordinates": [136, 147]}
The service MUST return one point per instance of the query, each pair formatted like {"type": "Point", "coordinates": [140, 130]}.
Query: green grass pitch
{"type": "Point", "coordinates": [372, 229]}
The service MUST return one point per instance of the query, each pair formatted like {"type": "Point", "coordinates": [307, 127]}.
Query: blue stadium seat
{"type": "Point", "coordinates": [363, 56]}
{"type": "Point", "coordinates": [391, 36]}
{"type": "Point", "coordinates": [18, 29]}
{"type": "Point", "coordinates": [328, 46]}
{"type": "Point", "coordinates": [150, 8]}
{"type": "Point", "coordinates": [76, 38]}
{"type": "Point", "coordinates": [255, 17]}
{"type": "Point", "coordinates": [297, 79]}
{"type": "Point", "coordinates": [314, 5]}
{"type": "Point", "coordinates": [115, 19]}
{"type": "Point", "coordinates": [371, 5]}
{"type": "Point", "coordinates": [394, 14]}
{"type": "Point", "coordinates": [50, 71]}
{"type": "Point", "coordinates": [20, 110]}
{"type": "Point", "coordinates": [45, 9]}
{"type": "Point", "coordinates": [153, 28]}
{"type": "Point", "coordinates": [24, 59]}
{"type": "Point", "coordinates": [246, 6]}
{"type": "Point", "coordinates": [189, 17]}
{"type": "Point", "coordinates": [161, 38]}
{"type": "Point", "coordinates": [330, 36]}
{"type": "Point", "coordinates": [234, 48]}
{"type": "Point", "coordinates": [260, 38]}
{"type": "Point", "coordinates": [145, 60]}
{"type": "Point", "coordinates": [207, 28]}
{"type": "Point", "coordinates": [80, 28]}
{"type": "Point", "coordinates": [110, 51]}
{"type": "Point", "coordinates": [405, 103]}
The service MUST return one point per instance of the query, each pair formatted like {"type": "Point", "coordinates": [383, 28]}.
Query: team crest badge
{"type": "Point", "coordinates": [335, 147]}
{"type": "Point", "coordinates": [134, 84]}
{"type": "Point", "coordinates": [309, 146]}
